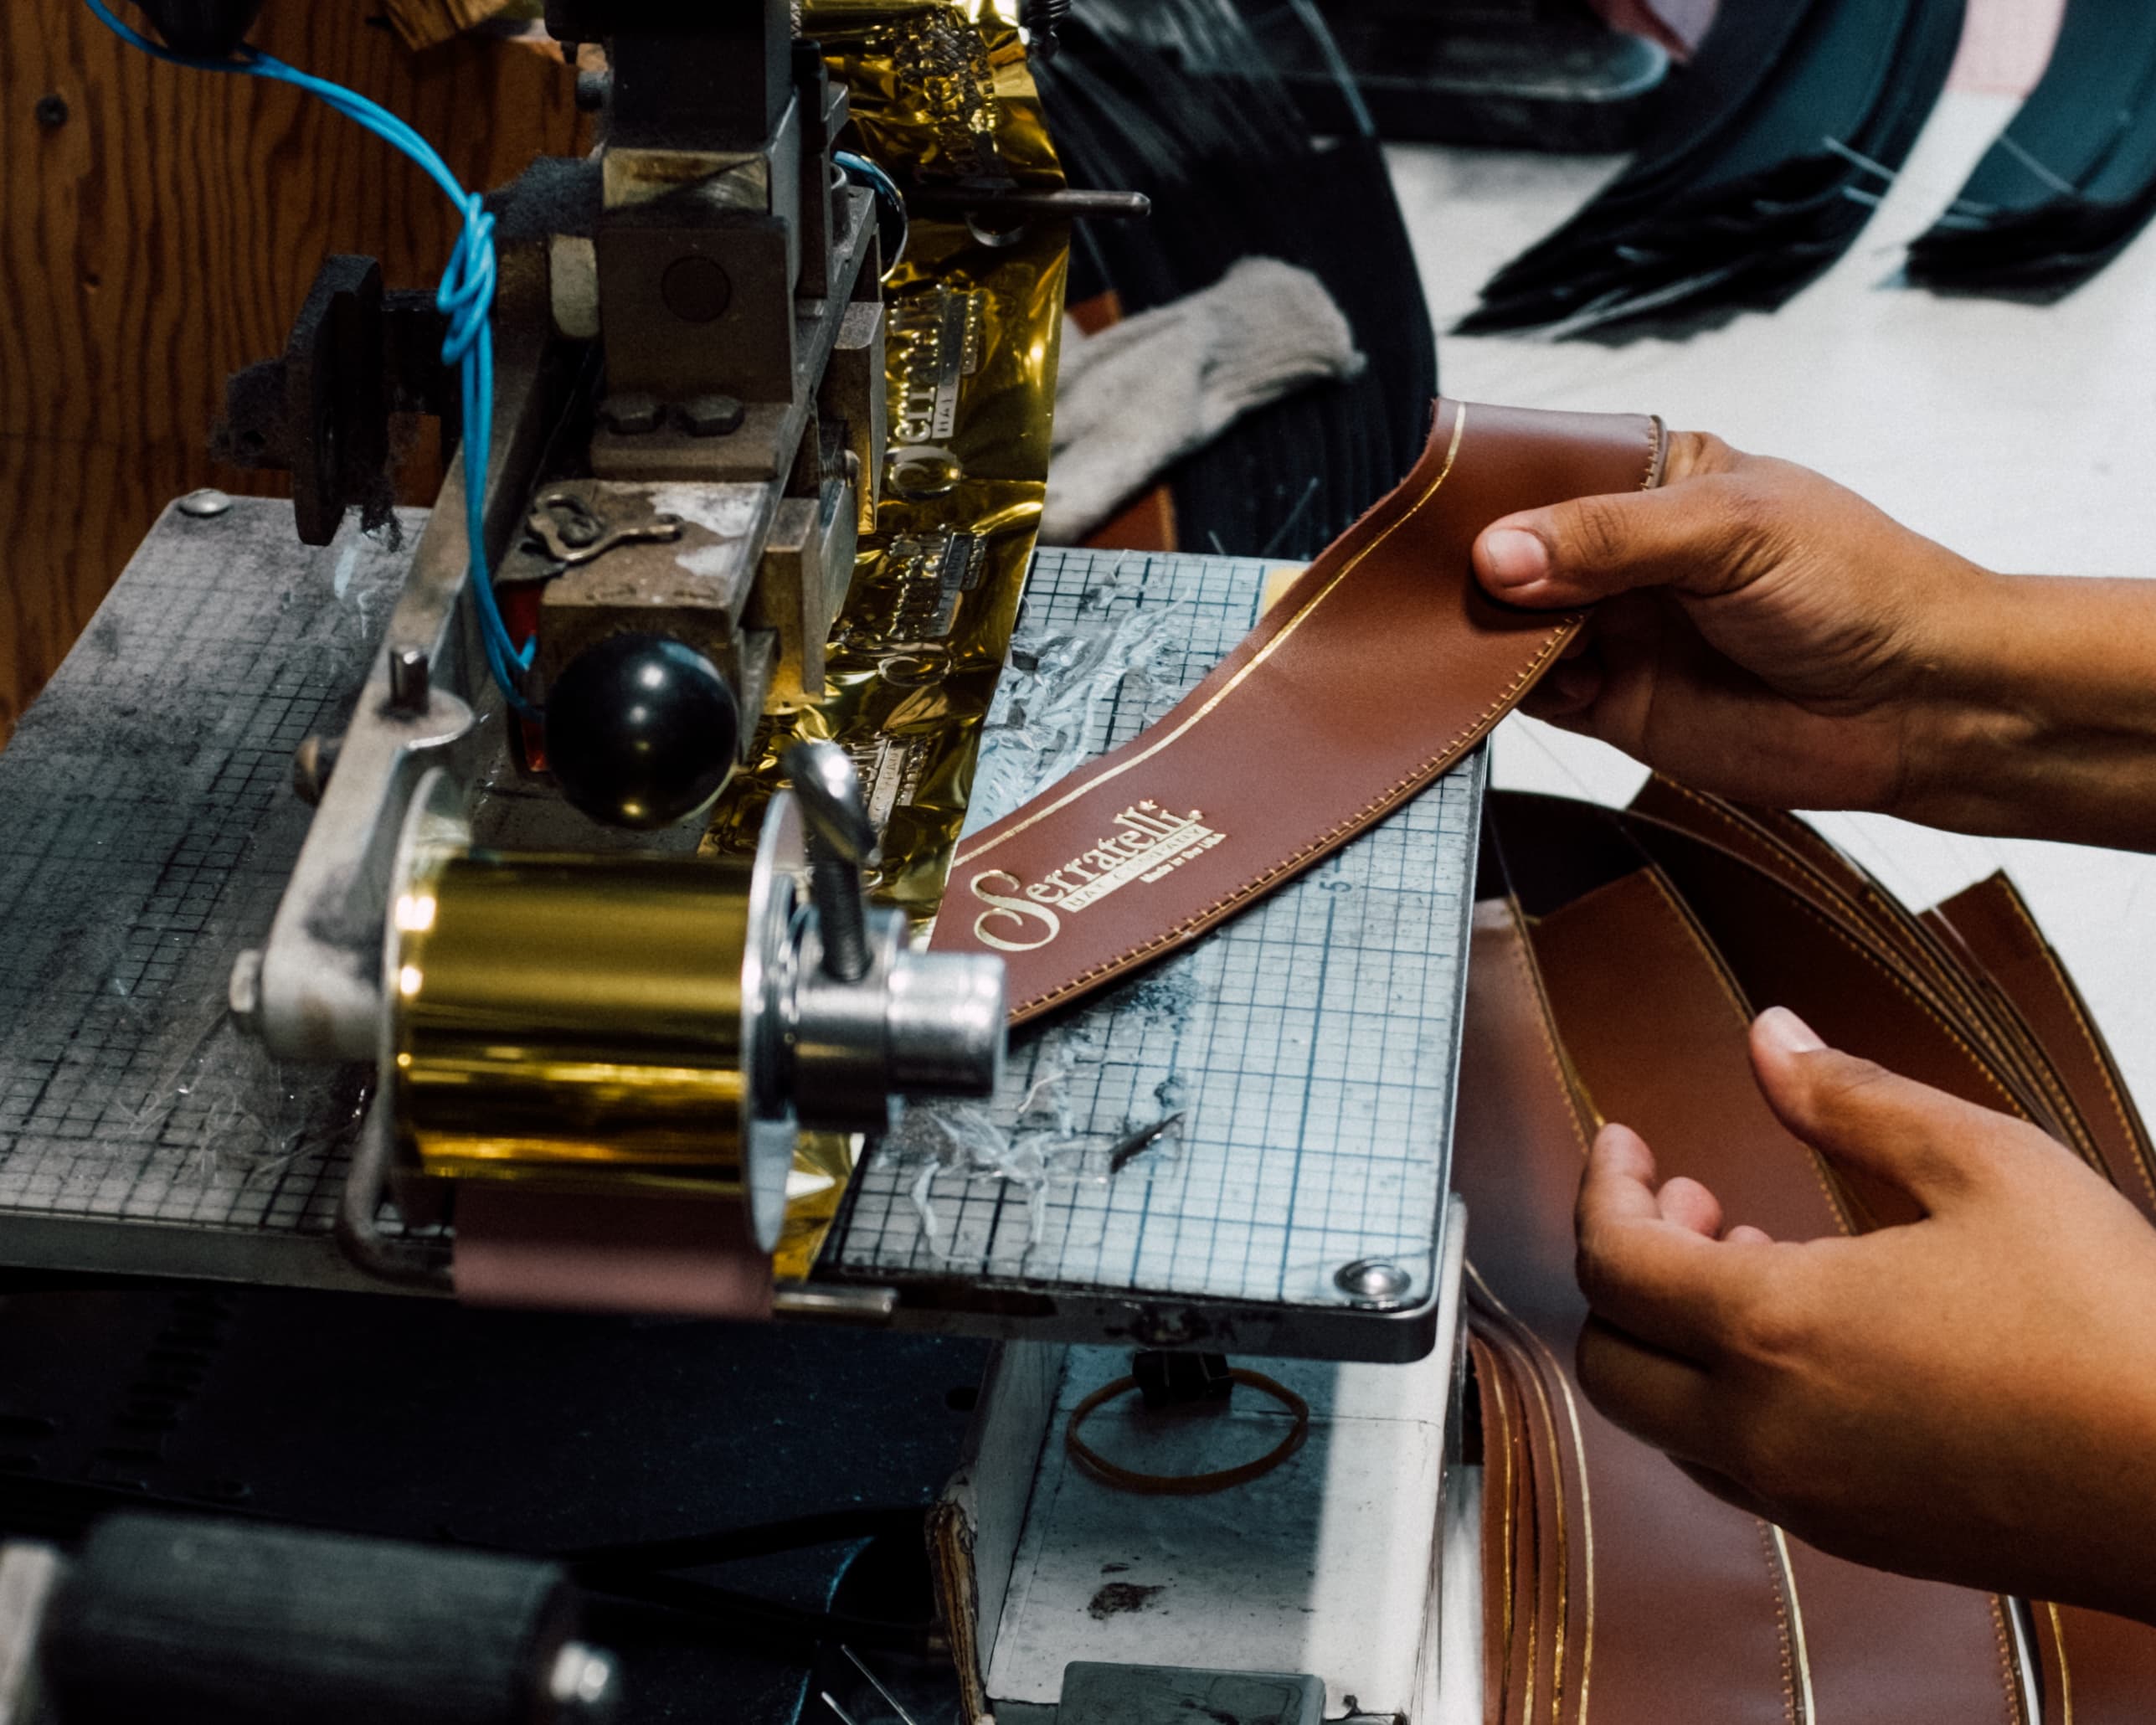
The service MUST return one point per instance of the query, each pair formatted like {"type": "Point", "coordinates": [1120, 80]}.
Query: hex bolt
{"type": "Point", "coordinates": [409, 680]}
{"type": "Point", "coordinates": [710, 415]}
{"type": "Point", "coordinates": [204, 504]}
{"type": "Point", "coordinates": [631, 412]}
{"type": "Point", "coordinates": [841, 844]}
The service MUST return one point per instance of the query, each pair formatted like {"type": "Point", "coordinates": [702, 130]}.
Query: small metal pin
{"type": "Point", "coordinates": [1130, 1149]}
{"type": "Point", "coordinates": [831, 1700]}
{"type": "Point", "coordinates": [409, 680]}
{"type": "Point", "coordinates": [841, 844]}
{"type": "Point", "coordinates": [890, 1700]}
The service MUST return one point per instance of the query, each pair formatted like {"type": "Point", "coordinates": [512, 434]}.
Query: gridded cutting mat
{"type": "Point", "coordinates": [147, 825]}
{"type": "Point", "coordinates": [1305, 1051]}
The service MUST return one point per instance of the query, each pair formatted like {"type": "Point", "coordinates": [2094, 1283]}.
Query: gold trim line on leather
{"type": "Point", "coordinates": [1808, 1714]}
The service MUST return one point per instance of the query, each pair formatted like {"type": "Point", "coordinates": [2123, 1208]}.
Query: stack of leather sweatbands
{"type": "Point", "coordinates": [1778, 141]}
{"type": "Point", "coordinates": [1616, 965]}
{"type": "Point", "coordinates": [2073, 177]}
{"type": "Point", "coordinates": [1613, 979]}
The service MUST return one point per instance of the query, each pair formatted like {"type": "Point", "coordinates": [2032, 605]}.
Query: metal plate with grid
{"type": "Point", "coordinates": [147, 827]}
{"type": "Point", "coordinates": [1308, 1046]}
{"type": "Point", "coordinates": [146, 831]}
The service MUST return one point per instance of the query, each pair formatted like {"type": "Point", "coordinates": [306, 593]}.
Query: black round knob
{"type": "Point", "coordinates": [642, 731]}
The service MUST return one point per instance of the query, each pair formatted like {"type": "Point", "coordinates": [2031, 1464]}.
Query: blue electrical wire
{"type": "Point", "coordinates": [465, 297]}
{"type": "Point", "coordinates": [886, 188]}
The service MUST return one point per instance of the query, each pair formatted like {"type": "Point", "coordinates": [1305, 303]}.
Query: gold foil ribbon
{"type": "Point", "coordinates": [940, 89]}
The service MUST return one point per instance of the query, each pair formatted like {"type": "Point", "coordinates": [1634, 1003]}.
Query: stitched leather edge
{"type": "Point", "coordinates": [988, 841]}
{"type": "Point", "coordinates": [1535, 1346]}
{"type": "Point", "coordinates": [1387, 800]}
{"type": "Point", "coordinates": [2071, 995]}
{"type": "Point", "coordinates": [1783, 1583]}
{"type": "Point", "coordinates": [2047, 1080]}
{"type": "Point", "coordinates": [1448, 755]}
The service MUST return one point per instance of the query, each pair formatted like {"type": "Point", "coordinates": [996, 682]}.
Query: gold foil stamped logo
{"type": "Point", "coordinates": [1149, 845]}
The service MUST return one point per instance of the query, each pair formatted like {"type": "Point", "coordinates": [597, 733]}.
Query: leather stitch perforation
{"type": "Point", "coordinates": [1775, 1579]}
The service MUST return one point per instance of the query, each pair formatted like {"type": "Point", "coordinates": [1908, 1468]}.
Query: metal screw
{"type": "Point", "coordinates": [630, 414]}
{"type": "Point", "coordinates": [205, 504]}
{"type": "Point", "coordinates": [409, 679]}
{"type": "Point", "coordinates": [51, 111]}
{"type": "Point", "coordinates": [581, 1685]}
{"type": "Point", "coordinates": [244, 992]}
{"type": "Point", "coordinates": [1373, 1282]}
{"type": "Point", "coordinates": [710, 415]}
{"type": "Point", "coordinates": [312, 763]}
{"type": "Point", "coordinates": [841, 844]}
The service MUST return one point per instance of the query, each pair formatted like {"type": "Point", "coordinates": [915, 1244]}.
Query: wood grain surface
{"type": "Point", "coordinates": [159, 228]}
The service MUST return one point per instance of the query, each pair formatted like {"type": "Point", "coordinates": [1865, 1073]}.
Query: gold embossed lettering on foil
{"type": "Point", "coordinates": [939, 90]}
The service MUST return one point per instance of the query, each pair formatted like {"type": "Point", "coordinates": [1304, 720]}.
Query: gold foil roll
{"type": "Point", "coordinates": [973, 325]}
{"type": "Point", "coordinates": [938, 90]}
{"type": "Point", "coordinates": [565, 1014]}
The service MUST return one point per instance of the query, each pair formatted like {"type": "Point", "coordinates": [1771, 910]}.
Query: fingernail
{"type": "Point", "coordinates": [1789, 1033]}
{"type": "Point", "coordinates": [1513, 557]}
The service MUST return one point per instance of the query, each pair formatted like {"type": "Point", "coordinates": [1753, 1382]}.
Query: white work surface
{"type": "Point", "coordinates": [2023, 436]}
{"type": "Point", "coordinates": [1325, 1565]}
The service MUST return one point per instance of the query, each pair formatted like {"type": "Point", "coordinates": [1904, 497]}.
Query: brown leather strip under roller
{"type": "Point", "coordinates": [1383, 666]}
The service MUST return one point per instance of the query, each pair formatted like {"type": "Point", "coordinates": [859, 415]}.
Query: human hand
{"type": "Point", "coordinates": [1970, 1398]}
{"type": "Point", "coordinates": [1758, 631]}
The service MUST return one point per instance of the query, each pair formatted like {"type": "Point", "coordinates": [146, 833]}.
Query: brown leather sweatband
{"type": "Point", "coordinates": [1626, 973]}
{"type": "Point", "coordinates": [1381, 666]}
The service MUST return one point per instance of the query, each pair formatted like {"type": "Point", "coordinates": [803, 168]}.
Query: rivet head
{"type": "Point", "coordinates": [204, 504]}
{"type": "Point", "coordinates": [1373, 1282]}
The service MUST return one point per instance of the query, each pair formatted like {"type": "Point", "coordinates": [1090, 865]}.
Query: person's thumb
{"type": "Point", "coordinates": [1891, 1129]}
{"type": "Point", "coordinates": [1694, 534]}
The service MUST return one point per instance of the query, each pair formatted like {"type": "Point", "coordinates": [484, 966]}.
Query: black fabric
{"type": "Point", "coordinates": [1173, 98]}
{"type": "Point", "coordinates": [2073, 179]}
{"type": "Point", "coordinates": [1747, 216]}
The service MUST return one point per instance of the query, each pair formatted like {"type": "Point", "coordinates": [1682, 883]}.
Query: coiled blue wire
{"type": "Point", "coordinates": [465, 297]}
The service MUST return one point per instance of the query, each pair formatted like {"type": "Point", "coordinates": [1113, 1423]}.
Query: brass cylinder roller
{"type": "Point", "coordinates": [553, 1011]}
{"type": "Point", "coordinates": [597, 1020]}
